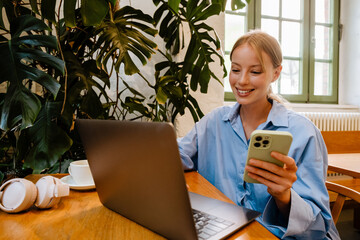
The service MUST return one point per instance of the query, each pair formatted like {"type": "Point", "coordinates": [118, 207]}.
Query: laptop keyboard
{"type": "Point", "coordinates": [208, 225]}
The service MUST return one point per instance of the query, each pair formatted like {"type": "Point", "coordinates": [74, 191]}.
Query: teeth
{"type": "Point", "coordinates": [243, 92]}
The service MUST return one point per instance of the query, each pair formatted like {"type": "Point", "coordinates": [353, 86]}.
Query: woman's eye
{"type": "Point", "coordinates": [256, 72]}
{"type": "Point", "coordinates": [235, 70]}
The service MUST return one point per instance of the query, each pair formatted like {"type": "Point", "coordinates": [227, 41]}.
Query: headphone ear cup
{"type": "Point", "coordinates": [17, 195]}
{"type": "Point", "coordinates": [48, 192]}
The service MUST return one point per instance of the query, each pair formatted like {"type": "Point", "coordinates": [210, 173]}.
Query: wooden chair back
{"type": "Point", "coordinates": [342, 193]}
{"type": "Point", "coordinates": [342, 141]}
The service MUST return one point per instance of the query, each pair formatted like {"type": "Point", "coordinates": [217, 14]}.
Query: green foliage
{"type": "Point", "coordinates": [55, 70]}
{"type": "Point", "coordinates": [1, 177]}
{"type": "Point", "coordinates": [123, 33]}
{"type": "Point", "coordinates": [49, 142]}
{"type": "Point", "coordinates": [19, 57]}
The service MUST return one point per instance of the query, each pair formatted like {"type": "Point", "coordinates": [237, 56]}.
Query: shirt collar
{"type": "Point", "coordinates": [276, 116]}
{"type": "Point", "coordinates": [233, 113]}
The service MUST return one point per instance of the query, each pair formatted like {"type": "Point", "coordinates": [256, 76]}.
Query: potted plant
{"type": "Point", "coordinates": [57, 69]}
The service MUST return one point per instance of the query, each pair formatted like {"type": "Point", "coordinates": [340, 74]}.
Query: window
{"type": "Point", "coordinates": [308, 33]}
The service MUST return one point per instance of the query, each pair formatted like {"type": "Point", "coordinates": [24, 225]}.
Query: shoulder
{"type": "Point", "coordinates": [304, 130]}
{"type": "Point", "coordinates": [301, 123]}
{"type": "Point", "coordinates": [291, 120]}
{"type": "Point", "coordinates": [300, 126]}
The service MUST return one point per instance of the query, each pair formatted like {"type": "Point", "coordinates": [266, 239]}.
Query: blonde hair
{"type": "Point", "coordinates": [263, 42]}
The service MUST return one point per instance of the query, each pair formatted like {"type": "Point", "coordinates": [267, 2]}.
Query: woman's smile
{"type": "Point", "coordinates": [244, 93]}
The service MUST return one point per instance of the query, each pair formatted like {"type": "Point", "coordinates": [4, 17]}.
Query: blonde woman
{"type": "Point", "coordinates": [293, 199]}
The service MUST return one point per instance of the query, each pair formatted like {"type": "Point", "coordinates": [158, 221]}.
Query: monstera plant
{"type": "Point", "coordinates": [56, 67]}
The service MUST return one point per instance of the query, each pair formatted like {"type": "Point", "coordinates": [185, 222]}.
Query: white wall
{"type": "Point", "coordinates": [349, 53]}
{"type": "Point", "coordinates": [215, 96]}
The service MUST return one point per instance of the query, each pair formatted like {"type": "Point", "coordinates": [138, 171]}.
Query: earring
{"type": "Point", "coordinates": [19, 194]}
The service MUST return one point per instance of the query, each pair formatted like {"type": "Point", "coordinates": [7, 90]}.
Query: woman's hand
{"type": "Point", "coordinates": [279, 180]}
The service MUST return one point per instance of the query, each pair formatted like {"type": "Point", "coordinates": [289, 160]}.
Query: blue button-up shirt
{"type": "Point", "coordinates": [217, 148]}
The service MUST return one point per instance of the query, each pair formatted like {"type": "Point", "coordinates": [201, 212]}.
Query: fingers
{"type": "Point", "coordinates": [262, 173]}
{"type": "Point", "coordinates": [271, 167]}
{"type": "Point", "coordinates": [288, 161]}
{"type": "Point", "coordinates": [272, 171]}
{"type": "Point", "coordinates": [276, 178]}
{"type": "Point", "coordinates": [272, 182]}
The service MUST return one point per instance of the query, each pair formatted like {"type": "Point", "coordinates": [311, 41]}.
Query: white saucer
{"type": "Point", "coordinates": [69, 180]}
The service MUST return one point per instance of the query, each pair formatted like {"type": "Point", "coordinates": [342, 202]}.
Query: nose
{"type": "Point", "coordinates": [243, 79]}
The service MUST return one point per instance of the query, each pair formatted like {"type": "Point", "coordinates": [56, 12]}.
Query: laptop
{"type": "Point", "coordinates": [138, 173]}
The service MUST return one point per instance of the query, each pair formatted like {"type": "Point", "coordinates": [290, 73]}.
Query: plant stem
{"type": "Point", "coordinates": [63, 58]}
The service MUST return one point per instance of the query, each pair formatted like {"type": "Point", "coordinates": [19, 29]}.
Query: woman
{"type": "Point", "coordinates": [293, 199]}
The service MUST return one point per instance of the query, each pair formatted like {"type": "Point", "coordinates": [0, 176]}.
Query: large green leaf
{"type": "Point", "coordinates": [161, 95]}
{"type": "Point", "coordinates": [170, 28]}
{"type": "Point", "coordinates": [136, 105]}
{"type": "Point", "coordinates": [25, 23]}
{"type": "Point", "coordinates": [203, 45]}
{"type": "Point", "coordinates": [48, 9]}
{"type": "Point", "coordinates": [91, 104]}
{"type": "Point", "coordinates": [123, 36]}
{"type": "Point", "coordinates": [166, 88]}
{"type": "Point", "coordinates": [93, 11]}
{"type": "Point", "coordinates": [19, 58]}
{"type": "Point", "coordinates": [203, 49]}
{"type": "Point", "coordinates": [49, 141]}
{"type": "Point", "coordinates": [34, 6]}
{"type": "Point", "coordinates": [69, 12]}
{"type": "Point", "coordinates": [19, 103]}
{"type": "Point", "coordinates": [174, 5]}
{"type": "Point", "coordinates": [83, 79]}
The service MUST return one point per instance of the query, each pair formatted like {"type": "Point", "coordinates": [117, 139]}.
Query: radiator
{"type": "Point", "coordinates": [335, 121]}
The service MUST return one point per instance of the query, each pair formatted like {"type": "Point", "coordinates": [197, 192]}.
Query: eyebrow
{"type": "Point", "coordinates": [256, 65]}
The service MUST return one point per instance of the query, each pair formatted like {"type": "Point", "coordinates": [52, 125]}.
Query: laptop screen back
{"type": "Point", "coordinates": [138, 173]}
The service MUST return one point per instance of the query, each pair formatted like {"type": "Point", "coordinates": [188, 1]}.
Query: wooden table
{"type": "Point", "coordinates": [346, 163]}
{"type": "Point", "coordinates": [82, 216]}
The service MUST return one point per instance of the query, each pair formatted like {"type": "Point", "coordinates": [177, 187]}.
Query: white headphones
{"type": "Point", "coordinates": [19, 194]}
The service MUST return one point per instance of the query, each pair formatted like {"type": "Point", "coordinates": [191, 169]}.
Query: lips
{"type": "Point", "coordinates": [244, 92]}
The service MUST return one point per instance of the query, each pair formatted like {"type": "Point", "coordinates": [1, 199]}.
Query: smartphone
{"type": "Point", "coordinates": [262, 143]}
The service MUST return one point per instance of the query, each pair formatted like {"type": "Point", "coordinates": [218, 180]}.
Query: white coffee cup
{"type": "Point", "coordinates": [80, 172]}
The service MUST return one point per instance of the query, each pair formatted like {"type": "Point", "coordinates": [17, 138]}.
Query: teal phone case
{"type": "Point", "coordinates": [262, 143]}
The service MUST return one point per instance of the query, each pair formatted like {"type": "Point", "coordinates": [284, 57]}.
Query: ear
{"type": "Point", "coordinates": [277, 72]}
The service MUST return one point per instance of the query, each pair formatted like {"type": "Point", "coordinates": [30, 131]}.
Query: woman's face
{"type": "Point", "coordinates": [248, 80]}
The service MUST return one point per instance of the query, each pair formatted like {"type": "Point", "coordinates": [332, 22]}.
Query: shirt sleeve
{"type": "Point", "coordinates": [188, 150]}
{"type": "Point", "coordinates": [302, 223]}
{"type": "Point", "coordinates": [309, 216]}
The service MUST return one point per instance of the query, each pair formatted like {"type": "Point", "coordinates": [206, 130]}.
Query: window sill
{"type": "Point", "coordinates": [311, 107]}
